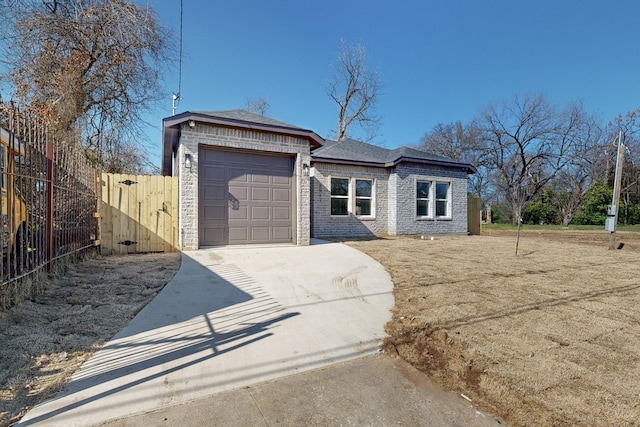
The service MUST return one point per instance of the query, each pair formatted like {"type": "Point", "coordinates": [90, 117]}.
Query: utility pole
{"type": "Point", "coordinates": [612, 211]}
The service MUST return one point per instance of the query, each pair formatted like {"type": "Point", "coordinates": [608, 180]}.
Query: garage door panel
{"type": "Point", "coordinates": [281, 213]}
{"type": "Point", "coordinates": [261, 177]}
{"type": "Point", "coordinates": [248, 196]}
{"type": "Point", "coordinates": [237, 175]}
{"type": "Point", "coordinates": [238, 192]}
{"type": "Point", "coordinates": [214, 234]}
{"type": "Point", "coordinates": [260, 234]}
{"type": "Point", "coordinates": [281, 195]}
{"type": "Point", "coordinates": [215, 213]}
{"type": "Point", "coordinates": [213, 174]}
{"type": "Point", "coordinates": [282, 180]}
{"type": "Point", "coordinates": [260, 194]}
{"type": "Point", "coordinates": [260, 213]}
{"type": "Point", "coordinates": [281, 233]}
{"type": "Point", "coordinates": [239, 214]}
{"type": "Point", "coordinates": [238, 234]}
{"type": "Point", "coordinates": [213, 193]}
{"type": "Point", "coordinates": [210, 156]}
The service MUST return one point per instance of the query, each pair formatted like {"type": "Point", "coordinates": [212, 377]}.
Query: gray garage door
{"type": "Point", "coordinates": [244, 198]}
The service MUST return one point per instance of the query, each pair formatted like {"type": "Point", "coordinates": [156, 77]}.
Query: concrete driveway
{"type": "Point", "coordinates": [231, 317]}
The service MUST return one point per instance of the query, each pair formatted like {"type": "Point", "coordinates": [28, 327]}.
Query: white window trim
{"type": "Point", "coordinates": [351, 197]}
{"type": "Point", "coordinates": [447, 215]}
{"type": "Point", "coordinates": [348, 197]}
{"type": "Point", "coordinates": [372, 197]}
{"type": "Point", "coordinates": [429, 200]}
{"type": "Point", "coordinates": [431, 210]}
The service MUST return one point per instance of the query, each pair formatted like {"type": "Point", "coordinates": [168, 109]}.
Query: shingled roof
{"type": "Point", "coordinates": [349, 151]}
{"type": "Point", "coordinates": [245, 116]}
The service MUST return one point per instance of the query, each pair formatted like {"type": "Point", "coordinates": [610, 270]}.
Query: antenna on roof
{"type": "Point", "coordinates": [176, 98]}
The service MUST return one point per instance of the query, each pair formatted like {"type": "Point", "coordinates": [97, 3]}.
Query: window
{"type": "Point", "coordinates": [352, 196]}
{"type": "Point", "coordinates": [442, 199]}
{"type": "Point", "coordinates": [364, 189]}
{"type": "Point", "coordinates": [339, 196]}
{"type": "Point", "coordinates": [433, 204]}
{"type": "Point", "coordinates": [422, 198]}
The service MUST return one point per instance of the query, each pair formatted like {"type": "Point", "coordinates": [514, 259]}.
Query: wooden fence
{"type": "Point", "coordinates": [138, 213]}
{"type": "Point", "coordinates": [474, 215]}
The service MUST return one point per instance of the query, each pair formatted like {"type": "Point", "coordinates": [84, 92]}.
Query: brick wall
{"type": "Point", "coordinates": [395, 201]}
{"type": "Point", "coordinates": [404, 180]}
{"type": "Point", "coordinates": [219, 136]}
{"type": "Point", "coordinates": [325, 225]}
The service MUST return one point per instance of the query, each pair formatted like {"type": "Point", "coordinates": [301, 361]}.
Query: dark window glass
{"type": "Point", "coordinates": [442, 199]}
{"type": "Point", "coordinates": [339, 196]}
{"type": "Point", "coordinates": [423, 190]}
{"type": "Point", "coordinates": [339, 206]}
{"type": "Point", "coordinates": [363, 206]}
{"type": "Point", "coordinates": [339, 186]}
{"type": "Point", "coordinates": [363, 187]}
{"type": "Point", "coordinates": [423, 208]}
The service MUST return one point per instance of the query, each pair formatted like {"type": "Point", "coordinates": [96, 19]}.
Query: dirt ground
{"type": "Point", "coordinates": [549, 337]}
{"type": "Point", "coordinates": [42, 342]}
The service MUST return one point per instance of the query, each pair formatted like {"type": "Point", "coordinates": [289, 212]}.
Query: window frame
{"type": "Point", "coordinates": [427, 199]}
{"type": "Point", "coordinates": [339, 197]}
{"type": "Point", "coordinates": [370, 198]}
{"type": "Point", "coordinates": [352, 197]}
{"type": "Point", "coordinates": [447, 200]}
{"type": "Point", "coordinates": [433, 200]}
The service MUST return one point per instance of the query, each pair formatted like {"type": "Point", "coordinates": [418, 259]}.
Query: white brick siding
{"type": "Point", "coordinates": [395, 201]}
{"type": "Point", "coordinates": [405, 177]}
{"type": "Point", "coordinates": [325, 225]}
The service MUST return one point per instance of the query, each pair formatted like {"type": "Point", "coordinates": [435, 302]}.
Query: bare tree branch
{"type": "Point", "coordinates": [528, 143]}
{"type": "Point", "coordinates": [259, 106]}
{"type": "Point", "coordinates": [90, 67]}
{"type": "Point", "coordinates": [355, 89]}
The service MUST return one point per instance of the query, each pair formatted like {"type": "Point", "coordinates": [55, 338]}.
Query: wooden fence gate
{"type": "Point", "coordinates": [138, 213]}
{"type": "Point", "coordinates": [474, 215]}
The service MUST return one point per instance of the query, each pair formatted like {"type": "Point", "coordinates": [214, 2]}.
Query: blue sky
{"type": "Point", "coordinates": [439, 61]}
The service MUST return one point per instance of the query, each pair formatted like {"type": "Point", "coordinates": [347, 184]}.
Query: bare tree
{"type": "Point", "coordinates": [91, 67]}
{"type": "Point", "coordinates": [584, 161]}
{"type": "Point", "coordinates": [461, 142]}
{"type": "Point", "coordinates": [355, 89]}
{"type": "Point", "coordinates": [629, 125]}
{"type": "Point", "coordinates": [258, 106]}
{"type": "Point", "coordinates": [527, 143]}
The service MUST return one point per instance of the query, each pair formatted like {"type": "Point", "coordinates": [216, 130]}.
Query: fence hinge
{"type": "Point", "coordinates": [127, 242]}
{"type": "Point", "coordinates": [128, 182]}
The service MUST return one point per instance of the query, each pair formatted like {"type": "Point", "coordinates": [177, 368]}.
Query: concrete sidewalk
{"type": "Point", "coordinates": [230, 318]}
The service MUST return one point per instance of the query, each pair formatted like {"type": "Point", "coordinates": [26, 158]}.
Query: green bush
{"type": "Point", "coordinates": [593, 210]}
{"type": "Point", "coordinates": [541, 210]}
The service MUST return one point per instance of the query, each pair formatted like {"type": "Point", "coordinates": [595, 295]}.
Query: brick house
{"type": "Point", "coordinates": [245, 178]}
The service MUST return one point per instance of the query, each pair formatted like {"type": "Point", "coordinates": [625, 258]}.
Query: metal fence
{"type": "Point", "coordinates": [48, 200]}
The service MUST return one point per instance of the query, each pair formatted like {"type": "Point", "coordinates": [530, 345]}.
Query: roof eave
{"type": "Point", "coordinates": [171, 132]}
{"type": "Point", "coordinates": [466, 166]}
{"type": "Point", "coordinates": [347, 162]}
{"type": "Point", "coordinates": [170, 138]}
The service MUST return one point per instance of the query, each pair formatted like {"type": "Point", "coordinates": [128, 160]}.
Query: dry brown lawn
{"type": "Point", "coordinates": [550, 337]}
{"type": "Point", "coordinates": [42, 342]}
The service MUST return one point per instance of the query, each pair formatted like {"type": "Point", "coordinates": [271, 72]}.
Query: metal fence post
{"type": "Point", "coordinates": [49, 223]}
